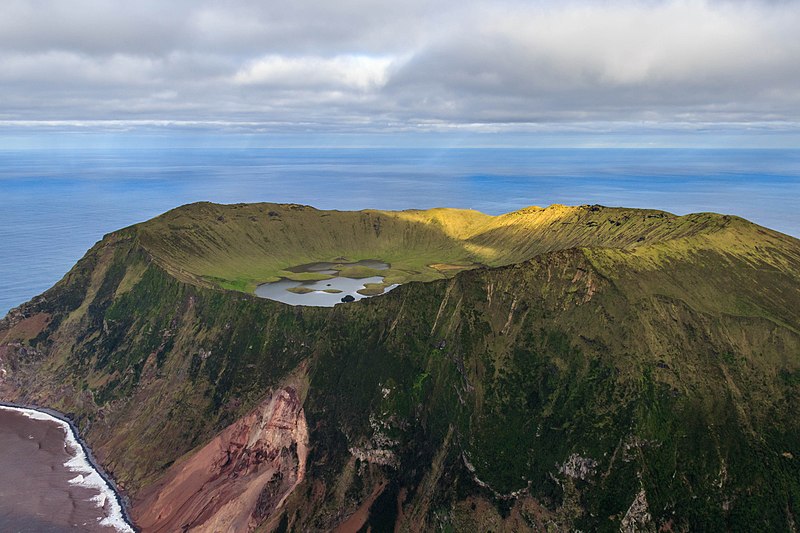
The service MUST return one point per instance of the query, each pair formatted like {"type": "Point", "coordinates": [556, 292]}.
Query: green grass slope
{"type": "Point", "coordinates": [620, 373]}
{"type": "Point", "coordinates": [240, 246]}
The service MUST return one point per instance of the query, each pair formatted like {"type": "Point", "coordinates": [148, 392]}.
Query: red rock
{"type": "Point", "coordinates": [237, 480]}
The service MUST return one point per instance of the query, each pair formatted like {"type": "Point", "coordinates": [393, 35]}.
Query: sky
{"type": "Point", "coordinates": [504, 72]}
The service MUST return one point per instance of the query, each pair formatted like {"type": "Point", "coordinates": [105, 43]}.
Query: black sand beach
{"type": "Point", "coordinates": [36, 494]}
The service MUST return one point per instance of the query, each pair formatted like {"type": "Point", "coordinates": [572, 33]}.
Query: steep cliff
{"type": "Point", "coordinates": [241, 476]}
{"type": "Point", "coordinates": [624, 370]}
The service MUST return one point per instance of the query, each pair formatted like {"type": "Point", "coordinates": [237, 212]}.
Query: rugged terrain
{"type": "Point", "coordinates": [563, 368]}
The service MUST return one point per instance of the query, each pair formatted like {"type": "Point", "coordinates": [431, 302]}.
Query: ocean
{"type": "Point", "coordinates": [57, 203]}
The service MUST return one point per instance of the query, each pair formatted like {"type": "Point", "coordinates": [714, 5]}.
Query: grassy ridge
{"type": "Point", "coordinates": [240, 246]}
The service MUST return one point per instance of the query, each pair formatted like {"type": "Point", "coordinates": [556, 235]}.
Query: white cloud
{"type": "Point", "coordinates": [355, 72]}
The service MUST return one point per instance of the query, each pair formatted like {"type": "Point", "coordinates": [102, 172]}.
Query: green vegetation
{"type": "Point", "coordinates": [300, 290]}
{"type": "Point", "coordinates": [304, 276]}
{"type": "Point", "coordinates": [240, 246]}
{"type": "Point", "coordinates": [373, 289]}
{"type": "Point", "coordinates": [658, 353]}
{"type": "Point", "coordinates": [360, 272]}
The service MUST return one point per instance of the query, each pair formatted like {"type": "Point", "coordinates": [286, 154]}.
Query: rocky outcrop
{"type": "Point", "coordinates": [379, 449]}
{"type": "Point", "coordinates": [239, 479]}
{"type": "Point", "coordinates": [578, 467]}
{"type": "Point", "coordinates": [638, 517]}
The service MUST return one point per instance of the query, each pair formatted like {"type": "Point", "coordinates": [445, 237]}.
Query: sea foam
{"type": "Point", "coordinates": [87, 476]}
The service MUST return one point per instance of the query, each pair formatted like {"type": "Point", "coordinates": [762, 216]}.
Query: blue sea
{"type": "Point", "coordinates": [57, 203]}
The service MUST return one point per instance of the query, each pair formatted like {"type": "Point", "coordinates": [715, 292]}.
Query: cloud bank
{"type": "Point", "coordinates": [356, 65]}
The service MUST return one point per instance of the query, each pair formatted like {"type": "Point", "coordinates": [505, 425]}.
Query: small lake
{"type": "Point", "coordinates": [326, 292]}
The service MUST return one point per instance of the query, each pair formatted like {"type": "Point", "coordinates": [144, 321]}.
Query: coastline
{"type": "Point", "coordinates": [118, 516]}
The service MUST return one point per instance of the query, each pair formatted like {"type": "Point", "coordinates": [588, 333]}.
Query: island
{"type": "Point", "coordinates": [557, 368]}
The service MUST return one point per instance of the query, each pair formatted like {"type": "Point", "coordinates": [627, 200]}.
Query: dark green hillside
{"type": "Point", "coordinates": [600, 382]}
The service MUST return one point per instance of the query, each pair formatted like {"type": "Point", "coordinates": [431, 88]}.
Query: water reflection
{"type": "Point", "coordinates": [325, 292]}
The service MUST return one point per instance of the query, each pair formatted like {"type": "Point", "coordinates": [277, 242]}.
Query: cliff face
{"type": "Point", "coordinates": [649, 385]}
{"type": "Point", "coordinates": [238, 479]}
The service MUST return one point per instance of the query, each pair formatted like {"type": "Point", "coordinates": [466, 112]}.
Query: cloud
{"type": "Point", "coordinates": [360, 73]}
{"type": "Point", "coordinates": [402, 65]}
{"type": "Point", "coordinates": [69, 69]}
{"type": "Point", "coordinates": [613, 60]}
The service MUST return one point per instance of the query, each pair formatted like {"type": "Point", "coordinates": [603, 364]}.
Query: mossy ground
{"type": "Point", "coordinates": [300, 290]}
{"type": "Point", "coordinates": [373, 289]}
{"type": "Point", "coordinates": [360, 272]}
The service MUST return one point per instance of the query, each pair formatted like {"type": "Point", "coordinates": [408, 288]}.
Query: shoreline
{"type": "Point", "coordinates": [118, 517]}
